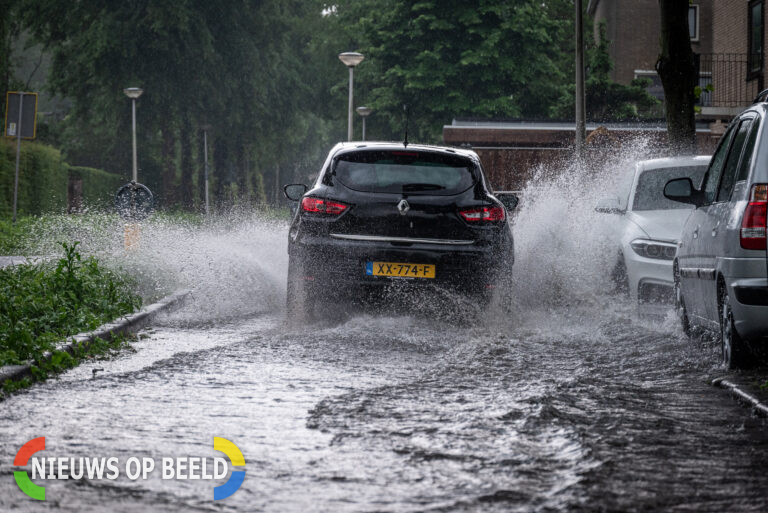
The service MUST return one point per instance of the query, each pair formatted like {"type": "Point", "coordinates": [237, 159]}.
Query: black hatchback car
{"type": "Point", "coordinates": [387, 213]}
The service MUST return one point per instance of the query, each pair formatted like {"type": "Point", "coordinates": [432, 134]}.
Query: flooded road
{"type": "Point", "coordinates": [548, 410]}
{"type": "Point", "coordinates": [566, 401]}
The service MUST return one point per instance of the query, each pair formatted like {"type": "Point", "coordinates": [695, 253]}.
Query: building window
{"type": "Point", "coordinates": [693, 22]}
{"type": "Point", "coordinates": [755, 37]}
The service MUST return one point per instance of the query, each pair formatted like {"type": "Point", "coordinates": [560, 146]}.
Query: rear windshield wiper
{"type": "Point", "coordinates": [422, 187]}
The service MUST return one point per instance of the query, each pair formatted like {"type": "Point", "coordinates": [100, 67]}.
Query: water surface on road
{"type": "Point", "coordinates": [549, 411]}
{"type": "Point", "coordinates": [566, 401]}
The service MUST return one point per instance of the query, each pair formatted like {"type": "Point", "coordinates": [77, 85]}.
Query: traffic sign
{"type": "Point", "coordinates": [134, 201]}
{"type": "Point", "coordinates": [28, 120]}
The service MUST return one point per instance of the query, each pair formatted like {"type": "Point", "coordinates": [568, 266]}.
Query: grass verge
{"type": "Point", "coordinates": [42, 304]}
{"type": "Point", "coordinates": [60, 361]}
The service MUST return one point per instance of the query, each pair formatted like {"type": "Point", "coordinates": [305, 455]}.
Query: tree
{"type": "Point", "coordinates": [9, 31]}
{"type": "Point", "coordinates": [453, 58]}
{"type": "Point", "coordinates": [242, 68]}
{"type": "Point", "coordinates": [606, 100]}
{"type": "Point", "coordinates": [677, 70]}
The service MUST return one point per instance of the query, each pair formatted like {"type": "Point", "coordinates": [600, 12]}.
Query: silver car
{"type": "Point", "coordinates": [721, 264]}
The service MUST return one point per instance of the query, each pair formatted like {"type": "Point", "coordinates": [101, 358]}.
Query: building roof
{"type": "Point", "coordinates": [652, 126]}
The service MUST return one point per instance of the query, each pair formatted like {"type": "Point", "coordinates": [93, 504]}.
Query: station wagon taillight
{"type": "Point", "coordinates": [321, 206]}
{"type": "Point", "coordinates": [753, 225]}
{"type": "Point", "coordinates": [483, 214]}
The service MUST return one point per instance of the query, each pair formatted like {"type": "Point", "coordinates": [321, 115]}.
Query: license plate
{"type": "Point", "coordinates": [399, 270]}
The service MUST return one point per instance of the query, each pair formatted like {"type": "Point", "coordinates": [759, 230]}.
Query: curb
{"type": "Point", "coordinates": [8, 261]}
{"type": "Point", "coordinates": [127, 324]}
{"type": "Point", "coordinates": [742, 396]}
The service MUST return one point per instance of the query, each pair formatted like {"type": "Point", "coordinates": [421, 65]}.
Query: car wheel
{"type": "Point", "coordinates": [619, 277]}
{"type": "Point", "coordinates": [504, 292]}
{"type": "Point", "coordinates": [735, 350]}
{"type": "Point", "coordinates": [299, 303]}
{"type": "Point", "coordinates": [682, 312]}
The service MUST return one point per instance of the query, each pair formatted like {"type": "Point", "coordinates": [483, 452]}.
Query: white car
{"type": "Point", "coordinates": [650, 228]}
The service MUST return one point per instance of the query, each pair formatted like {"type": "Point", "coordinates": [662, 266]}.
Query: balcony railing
{"type": "Point", "coordinates": [728, 75]}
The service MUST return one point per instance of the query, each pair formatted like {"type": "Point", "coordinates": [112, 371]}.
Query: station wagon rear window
{"type": "Point", "coordinates": [405, 172]}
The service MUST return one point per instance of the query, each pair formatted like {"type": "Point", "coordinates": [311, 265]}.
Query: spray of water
{"type": "Point", "coordinates": [236, 263]}
{"type": "Point", "coordinates": [565, 250]}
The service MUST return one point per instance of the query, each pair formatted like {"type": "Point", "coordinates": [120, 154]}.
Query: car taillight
{"type": "Point", "coordinates": [753, 225]}
{"type": "Point", "coordinates": [483, 214]}
{"type": "Point", "coordinates": [321, 206]}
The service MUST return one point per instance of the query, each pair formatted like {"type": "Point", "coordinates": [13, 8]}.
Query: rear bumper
{"type": "Point", "coordinates": [750, 307]}
{"type": "Point", "coordinates": [342, 263]}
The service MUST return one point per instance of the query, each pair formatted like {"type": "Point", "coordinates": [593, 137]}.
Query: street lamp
{"type": "Point", "coordinates": [133, 93]}
{"type": "Point", "coordinates": [364, 113]}
{"type": "Point", "coordinates": [350, 60]}
{"type": "Point", "coordinates": [581, 116]}
{"type": "Point", "coordinates": [205, 129]}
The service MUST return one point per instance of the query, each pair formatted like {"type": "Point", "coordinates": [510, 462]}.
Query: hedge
{"type": "Point", "coordinates": [43, 179]}
{"type": "Point", "coordinates": [99, 187]}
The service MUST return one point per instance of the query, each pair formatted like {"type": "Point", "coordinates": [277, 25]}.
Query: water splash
{"type": "Point", "coordinates": [235, 264]}
{"type": "Point", "coordinates": [564, 249]}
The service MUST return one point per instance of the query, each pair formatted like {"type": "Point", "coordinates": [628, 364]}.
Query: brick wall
{"type": "Point", "coordinates": [730, 36]}
{"type": "Point", "coordinates": [511, 156]}
{"type": "Point", "coordinates": [634, 29]}
{"type": "Point", "coordinates": [729, 26]}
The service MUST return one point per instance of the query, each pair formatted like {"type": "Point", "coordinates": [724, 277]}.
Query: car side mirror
{"type": "Point", "coordinates": [294, 191]}
{"type": "Point", "coordinates": [508, 199]}
{"type": "Point", "coordinates": [683, 191]}
{"type": "Point", "coordinates": [609, 206]}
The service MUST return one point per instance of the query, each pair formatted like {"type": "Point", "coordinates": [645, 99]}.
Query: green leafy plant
{"type": "Point", "coordinates": [41, 304]}
{"type": "Point", "coordinates": [697, 92]}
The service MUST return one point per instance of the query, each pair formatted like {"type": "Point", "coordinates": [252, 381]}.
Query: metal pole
{"type": "Point", "coordinates": [349, 118]}
{"type": "Point", "coordinates": [205, 172]}
{"type": "Point", "coordinates": [363, 128]}
{"type": "Point", "coordinates": [581, 128]}
{"type": "Point", "coordinates": [135, 169]}
{"type": "Point", "coordinates": [277, 184]}
{"type": "Point", "coordinates": [18, 156]}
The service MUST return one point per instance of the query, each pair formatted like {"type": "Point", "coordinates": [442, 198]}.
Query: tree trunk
{"type": "Point", "coordinates": [169, 163]}
{"type": "Point", "coordinates": [677, 71]}
{"type": "Point", "coordinates": [220, 164]}
{"type": "Point", "coordinates": [187, 199]}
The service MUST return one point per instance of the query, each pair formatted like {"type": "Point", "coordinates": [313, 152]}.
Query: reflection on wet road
{"type": "Point", "coordinates": [543, 411]}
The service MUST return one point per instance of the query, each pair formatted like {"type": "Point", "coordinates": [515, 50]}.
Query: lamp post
{"type": "Point", "coordinates": [581, 132]}
{"type": "Point", "coordinates": [364, 113]}
{"type": "Point", "coordinates": [350, 60]}
{"type": "Point", "coordinates": [205, 129]}
{"type": "Point", "coordinates": [133, 93]}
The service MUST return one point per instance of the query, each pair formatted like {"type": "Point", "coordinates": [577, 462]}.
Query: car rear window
{"type": "Point", "coordinates": [405, 172]}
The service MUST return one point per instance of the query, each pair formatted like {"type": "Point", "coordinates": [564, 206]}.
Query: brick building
{"type": "Point", "coordinates": [738, 30]}
{"type": "Point", "coordinates": [727, 37]}
{"type": "Point", "coordinates": [633, 28]}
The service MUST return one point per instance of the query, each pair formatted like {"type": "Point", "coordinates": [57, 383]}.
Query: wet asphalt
{"type": "Point", "coordinates": [567, 407]}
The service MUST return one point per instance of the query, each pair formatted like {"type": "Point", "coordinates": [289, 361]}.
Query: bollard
{"type": "Point", "coordinates": [132, 235]}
